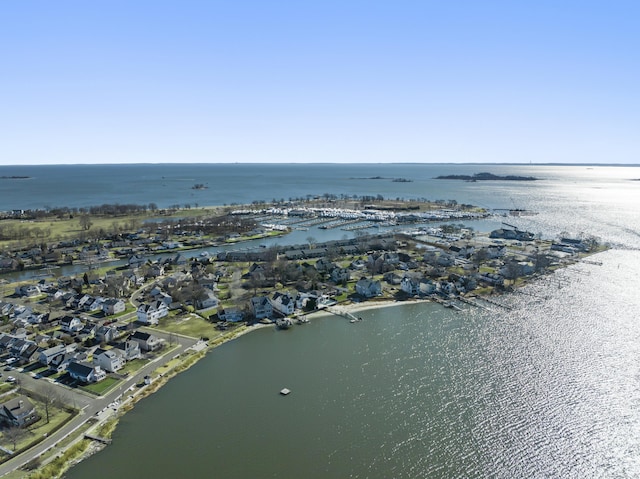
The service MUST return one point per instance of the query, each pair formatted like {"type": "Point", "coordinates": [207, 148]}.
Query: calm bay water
{"type": "Point", "coordinates": [548, 388]}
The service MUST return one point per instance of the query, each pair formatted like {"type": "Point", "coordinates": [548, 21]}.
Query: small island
{"type": "Point", "coordinates": [486, 177]}
{"type": "Point", "coordinates": [401, 180]}
{"type": "Point", "coordinates": [394, 180]}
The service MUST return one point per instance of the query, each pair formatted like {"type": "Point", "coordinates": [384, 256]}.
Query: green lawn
{"type": "Point", "coordinates": [132, 366]}
{"type": "Point", "coordinates": [188, 325]}
{"type": "Point", "coordinates": [6, 387]}
{"type": "Point", "coordinates": [36, 432]}
{"type": "Point", "coordinates": [101, 387]}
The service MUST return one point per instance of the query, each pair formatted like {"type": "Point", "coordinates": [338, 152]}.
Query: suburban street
{"type": "Point", "coordinates": [90, 405]}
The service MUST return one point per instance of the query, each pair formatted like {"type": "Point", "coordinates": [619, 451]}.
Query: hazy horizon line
{"type": "Point", "coordinates": [330, 163]}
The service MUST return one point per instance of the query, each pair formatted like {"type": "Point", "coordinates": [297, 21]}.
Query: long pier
{"type": "Point", "coordinates": [473, 303]}
{"type": "Point", "coordinates": [343, 313]}
{"type": "Point", "coordinates": [491, 301]}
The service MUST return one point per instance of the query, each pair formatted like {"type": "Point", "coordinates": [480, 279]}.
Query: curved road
{"type": "Point", "coordinates": [89, 406]}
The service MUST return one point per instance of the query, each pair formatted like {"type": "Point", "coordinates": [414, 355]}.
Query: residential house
{"type": "Point", "coordinates": [129, 350]}
{"type": "Point", "coordinates": [339, 275]}
{"type": "Point", "coordinates": [256, 272]}
{"type": "Point", "coordinates": [413, 286]}
{"type": "Point", "coordinates": [19, 346]}
{"type": "Point", "coordinates": [152, 312]}
{"type": "Point", "coordinates": [207, 300]}
{"type": "Point", "coordinates": [232, 315]}
{"type": "Point", "coordinates": [113, 306]}
{"type": "Point", "coordinates": [94, 305]}
{"type": "Point", "coordinates": [147, 342]}
{"type": "Point", "coordinates": [368, 288]}
{"type": "Point", "coordinates": [392, 278]}
{"type": "Point", "coordinates": [38, 318]}
{"type": "Point", "coordinates": [261, 307]}
{"type": "Point", "coordinates": [18, 412]}
{"type": "Point", "coordinates": [283, 302]}
{"type": "Point", "coordinates": [28, 290]}
{"type": "Point", "coordinates": [108, 359]}
{"type": "Point", "coordinates": [71, 324]}
{"type": "Point", "coordinates": [6, 309]}
{"type": "Point", "coordinates": [391, 258]}
{"type": "Point", "coordinates": [155, 270]}
{"type": "Point", "coordinates": [28, 354]}
{"type": "Point", "coordinates": [302, 299]}
{"type": "Point", "coordinates": [106, 334]}
{"type": "Point", "coordinates": [209, 281]}
{"type": "Point", "coordinates": [85, 372]}
{"type": "Point", "coordinates": [70, 299]}
{"type": "Point", "coordinates": [179, 259]}
{"type": "Point", "coordinates": [89, 331]}
{"type": "Point", "coordinates": [85, 299]}
{"type": "Point", "coordinates": [5, 341]}
{"type": "Point", "coordinates": [462, 251]}
{"type": "Point", "coordinates": [60, 362]}
{"type": "Point", "coordinates": [448, 288]}
{"type": "Point", "coordinates": [410, 285]}
{"type": "Point", "coordinates": [165, 298]}
{"type": "Point", "coordinates": [324, 265]}
{"type": "Point", "coordinates": [48, 355]}
{"type": "Point", "coordinates": [136, 261]}
{"type": "Point", "coordinates": [516, 269]}
{"type": "Point", "coordinates": [445, 259]}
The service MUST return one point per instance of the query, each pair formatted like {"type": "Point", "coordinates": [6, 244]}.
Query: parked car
{"type": "Point", "coordinates": [11, 379]}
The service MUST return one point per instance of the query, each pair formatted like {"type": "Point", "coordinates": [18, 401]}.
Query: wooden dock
{"type": "Point", "coordinates": [343, 313]}
{"type": "Point", "coordinates": [103, 440]}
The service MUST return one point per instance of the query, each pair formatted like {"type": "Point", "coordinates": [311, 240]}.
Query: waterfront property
{"type": "Point", "coordinates": [85, 372]}
{"type": "Point", "coordinates": [18, 412]}
{"type": "Point", "coordinates": [146, 341]}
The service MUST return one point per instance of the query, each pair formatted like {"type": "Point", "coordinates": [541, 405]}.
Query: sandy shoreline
{"type": "Point", "coordinates": [375, 304]}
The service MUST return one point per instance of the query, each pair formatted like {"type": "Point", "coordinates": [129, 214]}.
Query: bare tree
{"type": "Point", "coordinates": [50, 397]}
{"type": "Point", "coordinates": [312, 242]}
{"type": "Point", "coordinates": [85, 222]}
{"type": "Point", "coordinates": [13, 434]}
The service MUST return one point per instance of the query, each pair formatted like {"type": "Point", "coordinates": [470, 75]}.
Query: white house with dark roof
{"type": "Point", "coordinates": [106, 334]}
{"type": "Point", "coordinates": [85, 372]}
{"type": "Point", "coordinates": [46, 356]}
{"type": "Point", "coordinates": [232, 315]}
{"type": "Point", "coordinates": [113, 306]}
{"type": "Point", "coordinates": [147, 342]}
{"type": "Point", "coordinates": [150, 313]}
{"type": "Point", "coordinates": [71, 324]}
{"type": "Point", "coordinates": [129, 350]}
{"type": "Point", "coordinates": [108, 359]}
{"type": "Point", "coordinates": [261, 307]}
{"type": "Point", "coordinates": [283, 302]}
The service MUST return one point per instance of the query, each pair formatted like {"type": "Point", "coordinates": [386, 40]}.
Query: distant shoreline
{"type": "Point", "coordinates": [486, 177]}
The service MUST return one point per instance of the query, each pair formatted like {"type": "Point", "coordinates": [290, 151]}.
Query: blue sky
{"type": "Point", "coordinates": [325, 81]}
